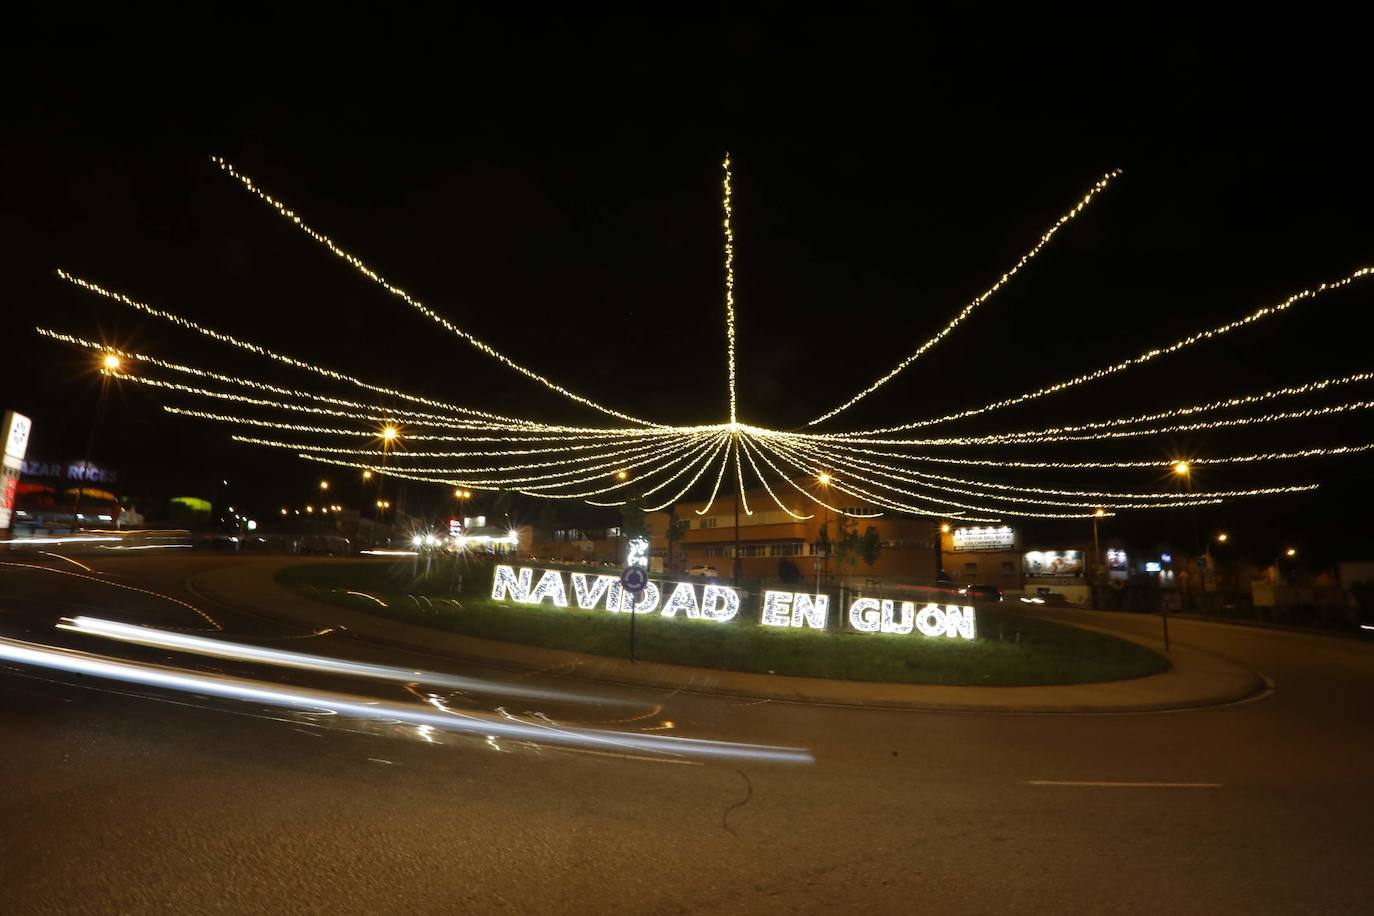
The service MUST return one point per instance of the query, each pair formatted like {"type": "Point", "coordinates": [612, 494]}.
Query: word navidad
{"type": "Point", "coordinates": [721, 603]}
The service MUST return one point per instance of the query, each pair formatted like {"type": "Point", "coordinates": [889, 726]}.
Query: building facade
{"type": "Point", "coordinates": [782, 544]}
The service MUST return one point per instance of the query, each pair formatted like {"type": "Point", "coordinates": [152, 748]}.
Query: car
{"type": "Point", "coordinates": [701, 570]}
{"type": "Point", "coordinates": [990, 593]}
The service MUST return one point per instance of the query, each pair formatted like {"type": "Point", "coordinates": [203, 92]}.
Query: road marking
{"type": "Point", "coordinates": [1124, 785]}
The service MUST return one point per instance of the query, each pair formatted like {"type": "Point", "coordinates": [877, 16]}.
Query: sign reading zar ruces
{"type": "Point", "coordinates": [721, 603]}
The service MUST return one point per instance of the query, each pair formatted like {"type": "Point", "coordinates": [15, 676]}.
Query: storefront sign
{"type": "Point", "coordinates": [79, 470]}
{"type": "Point", "coordinates": [989, 538]}
{"type": "Point", "coordinates": [1053, 564]}
{"type": "Point", "coordinates": [721, 603]}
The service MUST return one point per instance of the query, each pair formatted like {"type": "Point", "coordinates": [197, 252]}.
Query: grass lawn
{"type": "Point", "coordinates": [1010, 649]}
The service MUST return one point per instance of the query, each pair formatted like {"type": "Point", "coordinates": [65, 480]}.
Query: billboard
{"type": "Point", "coordinates": [989, 538]}
{"type": "Point", "coordinates": [15, 436]}
{"type": "Point", "coordinates": [1053, 564]}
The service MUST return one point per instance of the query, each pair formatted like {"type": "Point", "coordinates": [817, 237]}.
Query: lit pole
{"type": "Point", "coordinates": [110, 363]}
{"type": "Point", "coordinates": [739, 494]}
{"type": "Point", "coordinates": [1097, 561]}
{"type": "Point", "coordinates": [940, 531]}
{"type": "Point", "coordinates": [389, 435]}
{"type": "Point", "coordinates": [823, 479]}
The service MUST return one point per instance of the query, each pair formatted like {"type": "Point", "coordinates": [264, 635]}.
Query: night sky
{"type": "Point", "coordinates": [554, 187]}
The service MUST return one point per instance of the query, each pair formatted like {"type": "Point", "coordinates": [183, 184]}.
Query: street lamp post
{"type": "Point", "coordinates": [109, 363]}
{"type": "Point", "coordinates": [1097, 561]}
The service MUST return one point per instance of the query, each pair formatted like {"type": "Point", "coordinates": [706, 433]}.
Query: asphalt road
{"type": "Point", "coordinates": [131, 799]}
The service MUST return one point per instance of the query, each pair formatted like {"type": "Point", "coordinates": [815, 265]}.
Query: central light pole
{"type": "Point", "coordinates": [739, 494]}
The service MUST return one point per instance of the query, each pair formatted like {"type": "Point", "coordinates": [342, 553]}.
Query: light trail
{"type": "Point", "coordinates": [312, 701]}
{"type": "Point", "coordinates": [217, 648]}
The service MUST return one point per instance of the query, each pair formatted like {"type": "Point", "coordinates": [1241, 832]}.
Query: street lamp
{"type": "Point", "coordinates": [1098, 513]}
{"type": "Point", "coordinates": [109, 363]}
{"type": "Point", "coordinates": [1291, 552]}
{"type": "Point", "coordinates": [823, 478]}
{"type": "Point", "coordinates": [1182, 468]}
{"type": "Point", "coordinates": [1223, 538]}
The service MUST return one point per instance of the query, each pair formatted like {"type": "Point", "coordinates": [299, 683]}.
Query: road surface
{"type": "Point", "coordinates": [130, 798]}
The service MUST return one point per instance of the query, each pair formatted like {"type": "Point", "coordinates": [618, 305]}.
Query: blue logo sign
{"type": "Point", "coordinates": [634, 578]}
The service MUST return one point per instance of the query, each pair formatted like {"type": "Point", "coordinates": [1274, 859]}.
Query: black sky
{"type": "Point", "coordinates": [551, 183]}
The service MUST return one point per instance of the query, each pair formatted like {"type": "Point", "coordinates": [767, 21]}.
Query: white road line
{"type": "Point", "coordinates": [1125, 785]}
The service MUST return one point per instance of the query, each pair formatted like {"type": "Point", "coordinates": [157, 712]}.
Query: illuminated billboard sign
{"type": "Point", "coordinates": [16, 438]}
{"type": "Point", "coordinates": [989, 538]}
{"type": "Point", "coordinates": [722, 603]}
{"type": "Point", "coordinates": [1053, 564]}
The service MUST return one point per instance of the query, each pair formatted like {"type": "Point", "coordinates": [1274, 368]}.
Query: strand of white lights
{"type": "Point", "coordinates": [386, 471]}
{"type": "Point", "coordinates": [729, 290]}
{"type": "Point", "coordinates": [416, 304]}
{"type": "Point", "coordinates": [276, 389]}
{"type": "Point", "coordinates": [748, 453]}
{"type": "Point", "coordinates": [372, 434]}
{"type": "Point", "coordinates": [1103, 500]}
{"type": "Point", "coordinates": [921, 477]}
{"type": "Point", "coordinates": [513, 431]}
{"type": "Point", "coordinates": [720, 475]}
{"type": "Point", "coordinates": [1334, 451]}
{"type": "Point", "coordinates": [250, 421]}
{"type": "Point", "coordinates": [1306, 414]}
{"type": "Point", "coordinates": [381, 418]}
{"type": "Point", "coordinates": [886, 502]}
{"type": "Point", "coordinates": [724, 443]}
{"type": "Point", "coordinates": [702, 452]}
{"type": "Point", "coordinates": [231, 340]}
{"type": "Point", "coordinates": [1267, 311]}
{"type": "Point", "coordinates": [346, 450]}
{"type": "Point", "coordinates": [410, 455]}
{"type": "Point", "coordinates": [1240, 401]}
{"type": "Point", "coordinates": [739, 477]}
{"type": "Point", "coordinates": [811, 496]}
{"type": "Point", "coordinates": [629, 481]}
{"type": "Point", "coordinates": [984, 297]}
{"type": "Point", "coordinates": [596, 472]}
{"type": "Point", "coordinates": [852, 473]}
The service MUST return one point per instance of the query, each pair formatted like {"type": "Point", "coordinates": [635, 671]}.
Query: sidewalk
{"type": "Point", "coordinates": [1197, 679]}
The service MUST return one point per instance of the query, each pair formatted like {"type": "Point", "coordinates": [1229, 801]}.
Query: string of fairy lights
{"type": "Point", "coordinates": [861, 473]}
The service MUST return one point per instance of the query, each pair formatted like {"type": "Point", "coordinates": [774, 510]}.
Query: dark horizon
{"type": "Point", "coordinates": [586, 244]}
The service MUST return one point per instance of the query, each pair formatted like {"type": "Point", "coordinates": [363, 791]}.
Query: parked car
{"type": "Point", "coordinates": [989, 593]}
{"type": "Point", "coordinates": [701, 571]}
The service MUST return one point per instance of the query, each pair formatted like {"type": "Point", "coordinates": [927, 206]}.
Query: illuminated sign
{"type": "Point", "coordinates": [16, 439]}
{"type": "Point", "coordinates": [81, 470]}
{"type": "Point", "coordinates": [721, 603]}
{"type": "Point", "coordinates": [1053, 564]}
{"type": "Point", "coordinates": [1152, 566]}
{"type": "Point", "coordinates": [989, 538]}
{"type": "Point", "coordinates": [637, 552]}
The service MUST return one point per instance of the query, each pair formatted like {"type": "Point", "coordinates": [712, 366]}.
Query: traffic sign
{"type": "Point", "coordinates": [634, 578]}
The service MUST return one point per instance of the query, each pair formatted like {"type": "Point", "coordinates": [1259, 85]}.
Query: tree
{"type": "Point", "coordinates": [632, 519]}
{"type": "Point", "coordinates": [677, 529]}
{"type": "Point", "coordinates": [851, 547]}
